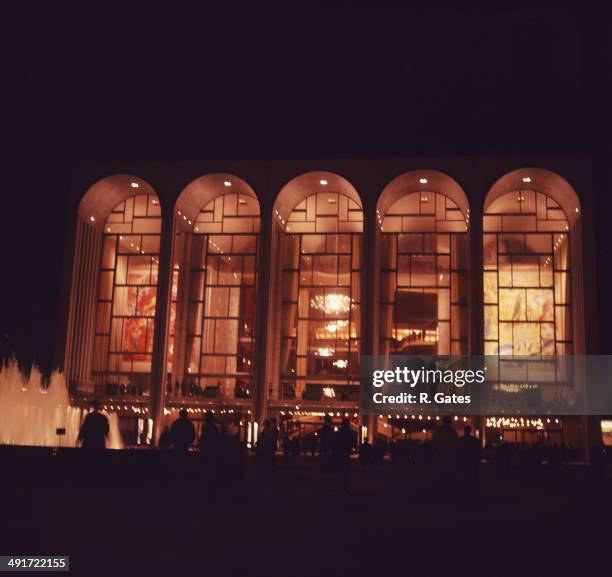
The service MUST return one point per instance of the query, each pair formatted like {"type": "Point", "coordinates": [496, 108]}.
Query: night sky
{"type": "Point", "coordinates": [239, 85]}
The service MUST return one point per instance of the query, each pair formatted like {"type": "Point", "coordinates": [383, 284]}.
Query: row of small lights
{"type": "Point", "coordinates": [318, 414]}
{"type": "Point", "coordinates": [492, 422]}
{"type": "Point", "coordinates": [281, 219]}
{"type": "Point", "coordinates": [557, 245]}
{"type": "Point", "coordinates": [144, 410]}
{"type": "Point", "coordinates": [297, 411]}
{"type": "Point", "coordinates": [139, 410]}
{"type": "Point", "coordinates": [514, 423]}
{"type": "Point", "coordinates": [202, 411]}
{"type": "Point", "coordinates": [386, 425]}
{"type": "Point", "coordinates": [419, 417]}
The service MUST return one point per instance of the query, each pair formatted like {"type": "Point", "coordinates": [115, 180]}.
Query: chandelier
{"type": "Point", "coordinates": [331, 304]}
{"type": "Point", "coordinates": [325, 352]}
{"type": "Point", "coordinates": [335, 326]}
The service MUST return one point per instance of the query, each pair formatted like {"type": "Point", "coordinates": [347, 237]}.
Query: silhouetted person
{"type": "Point", "coordinates": [599, 463]}
{"type": "Point", "coordinates": [313, 444]}
{"type": "Point", "coordinates": [94, 429]}
{"type": "Point", "coordinates": [274, 433]}
{"type": "Point", "coordinates": [445, 455]}
{"type": "Point", "coordinates": [378, 456]}
{"type": "Point", "coordinates": [232, 450]}
{"type": "Point", "coordinates": [296, 447]}
{"type": "Point", "coordinates": [326, 447]}
{"type": "Point", "coordinates": [210, 445]}
{"type": "Point", "coordinates": [264, 452]}
{"type": "Point", "coordinates": [286, 448]}
{"type": "Point", "coordinates": [343, 447]}
{"type": "Point", "coordinates": [366, 456]}
{"type": "Point", "coordinates": [182, 432]}
{"type": "Point", "coordinates": [394, 451]}
{"type": "Point", "coordinates": [165, 439]}
{"type": "Point", "coordinates": [469, 459]}
{"type": "Point", "coordinates": [554, 459]}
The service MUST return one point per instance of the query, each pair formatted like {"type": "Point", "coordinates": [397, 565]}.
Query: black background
{"type": "Point", "coordinates": [131, 84]}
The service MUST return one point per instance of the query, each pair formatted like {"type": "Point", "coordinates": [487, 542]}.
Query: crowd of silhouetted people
{"type": "Point", "coordinates": [452, 461]}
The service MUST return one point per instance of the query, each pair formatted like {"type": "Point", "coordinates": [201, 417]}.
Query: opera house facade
{"type": "Point", "coordinates": [255, 288]}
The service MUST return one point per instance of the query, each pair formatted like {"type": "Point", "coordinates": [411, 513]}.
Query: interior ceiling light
{"type": "Point", "coordinates": [325, 352]}
{"type": "Point", "coordinates": [334, 326]}
{"type": "Point", "coordinates": [332, 303]}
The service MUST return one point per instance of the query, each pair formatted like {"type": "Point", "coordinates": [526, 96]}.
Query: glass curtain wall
{"type": "Point", "coordinates": [221, 293]}
{"type": "Point", "coordinates": [127, 292]}
{"type": "Point", "coordinates": [527, 280]}
{"type": "Point", "coordinates": [424, 285]}
{"type": "Point", "coordinates": [321, 299]}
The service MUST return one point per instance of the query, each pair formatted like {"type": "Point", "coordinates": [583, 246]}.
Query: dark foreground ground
{"type": "Point", "coordinates": [142, 513]}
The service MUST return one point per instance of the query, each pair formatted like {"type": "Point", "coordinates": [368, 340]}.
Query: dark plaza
{"type": "Point", "coordinates": [222, 226]}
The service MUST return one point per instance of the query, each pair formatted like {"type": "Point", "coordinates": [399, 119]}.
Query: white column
{"type": "Point", "coordinates": [82, 304]}
{"type": "Point", "coordinates": [157, 390]}
{"type": "Point", "coordinates": [370, 301]}
{"type": "Point", "coordinates": [264, 334]}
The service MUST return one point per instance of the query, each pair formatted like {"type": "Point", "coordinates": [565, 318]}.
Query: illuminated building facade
{"type": "Point", "coordinates": [254, 289]}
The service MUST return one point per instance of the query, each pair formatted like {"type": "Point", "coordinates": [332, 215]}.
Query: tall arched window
{"type": "Point", "coordinates": [423, 296]}
{"type": "Point", "coordinates": [213, 298]}
{"type": "Point", "coordinates": [320, 327]}
{"type": "Point", "coordinates": [527, 280]}
{"type": "Point", "coordinates": [126, 298]}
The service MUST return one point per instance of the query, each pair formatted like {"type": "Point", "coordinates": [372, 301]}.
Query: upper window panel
{"type": "Point", "coordinates": [326, 213]}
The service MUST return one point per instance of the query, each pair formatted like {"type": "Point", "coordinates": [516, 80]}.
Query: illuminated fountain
{"type": "Point", "coordinates": [31, 414]}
